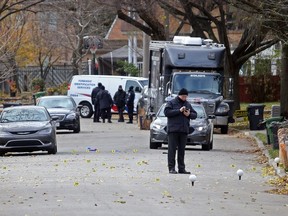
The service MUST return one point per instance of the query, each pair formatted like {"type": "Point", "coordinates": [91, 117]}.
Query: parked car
{"type": "Point", "coordinates": [27, 129]}
{"type": "Point", "coordinates": [202, 125]}
{"type": "Point", "coordinates": [65, 108]}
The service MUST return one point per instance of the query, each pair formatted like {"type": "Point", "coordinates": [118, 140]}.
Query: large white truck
{"type": "Point", "coordinates": [81, 87]}
{"type": "Point", "coordinates": [194, 64]}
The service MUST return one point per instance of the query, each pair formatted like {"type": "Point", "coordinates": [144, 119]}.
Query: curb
{"type": "Point", "coordinates": [278, 170]}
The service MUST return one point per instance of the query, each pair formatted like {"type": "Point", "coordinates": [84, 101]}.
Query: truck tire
{"type": "Point", "coordinates": [224, 129]}
{"type": "Point", "coordinates": [86, 111]}
{"type": "Point", "coordinates": [155, 145]}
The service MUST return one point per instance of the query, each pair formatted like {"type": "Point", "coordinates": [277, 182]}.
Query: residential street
{"type": "Point", "coordinates": [108, 169]}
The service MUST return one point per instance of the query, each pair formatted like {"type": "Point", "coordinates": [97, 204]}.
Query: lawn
{"type": "Point", "coordinates": [244, 125]}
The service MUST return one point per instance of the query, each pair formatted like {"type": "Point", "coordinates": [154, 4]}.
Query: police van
{"type": "Point", "coordinates": [81, 87]}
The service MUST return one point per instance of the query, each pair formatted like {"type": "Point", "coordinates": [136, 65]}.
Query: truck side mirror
{"type": "Point", "coordinates": [230, 87]}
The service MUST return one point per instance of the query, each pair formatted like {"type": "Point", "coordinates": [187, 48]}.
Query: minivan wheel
{"type": "Point", "coordinates": [154, 145]}
{"type": "Point", "coordinates": [206, 147]}
{"type": "Point", "coordinates": [86, 111]}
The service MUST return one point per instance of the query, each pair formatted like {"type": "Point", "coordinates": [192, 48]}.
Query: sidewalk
{"type": "Point", "coordinates": [252, 133]}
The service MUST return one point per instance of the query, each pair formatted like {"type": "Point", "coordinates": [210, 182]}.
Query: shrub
{"type": "Point", "coordinates": [37, 85]}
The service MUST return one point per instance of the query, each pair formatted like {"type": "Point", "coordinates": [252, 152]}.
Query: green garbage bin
{"type": "Point", "coordinates": [274, 128]}
{"type": "Point", "coordinates": [38, 95]}
{"type": "Point", "coordinates": [271, 129]}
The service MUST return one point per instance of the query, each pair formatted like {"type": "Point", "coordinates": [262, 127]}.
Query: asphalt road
{"type": "Point", "coordinates": [108, 169]}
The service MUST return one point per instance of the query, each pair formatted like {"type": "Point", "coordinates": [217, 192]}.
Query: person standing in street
{"type": "Point", "coordinates": [105, 103]}
{"type": "Point", "coordinates": [96, 105]}
{"type": "Point", "coordinates": [130, 104]}
{"type": "Point", "coordinates": [178, 112]}
{"type": "Point", "coordinates": [119, 100]}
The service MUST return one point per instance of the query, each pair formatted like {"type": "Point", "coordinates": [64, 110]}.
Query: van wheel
{"type": "Point", "coordinates": [86, 110]}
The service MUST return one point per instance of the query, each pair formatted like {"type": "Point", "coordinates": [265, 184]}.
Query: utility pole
{"type": "Point", "coordinates": [146, 41]}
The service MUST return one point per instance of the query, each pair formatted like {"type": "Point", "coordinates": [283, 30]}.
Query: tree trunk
{"type": "Point", "coordinates": [74, 64]}
{"type": "Point", "coordinates": [231, 70]}
{"type": "Point", "coordinates": [284, 82]}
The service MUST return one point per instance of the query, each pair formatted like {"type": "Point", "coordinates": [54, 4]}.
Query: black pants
{"type": "Point", "coordinates": [106, 114]}
{"type": "Point", "coordinates": [176, 141]}
{"type": "Point", "coordinates": [120, 113]}
{"type": "Point", "coordinates": [130, 112]}
{"type": "Point", "coordinates": [96, 113]}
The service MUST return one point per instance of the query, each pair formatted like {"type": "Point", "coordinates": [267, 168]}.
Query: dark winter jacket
{"type": "Point", "coordinates": [177, 121]}
{"type": "Point", "coordinates": [130, 98]}
{"type": "Point", "coordinates": [104, 99]}
{"type": "Point", "coordinates": [119, 98]}
{"type": "Point", "coordinates": [94, 94]}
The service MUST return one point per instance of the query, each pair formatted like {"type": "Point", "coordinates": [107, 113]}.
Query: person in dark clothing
{"type": "Point", "coordinates": [105, 102]}
{"type": "Point", "coordinates": [119, 100]}
{"type": "Point", "coordinates": [96, 105]}
{"type": "Point", "coordinates": [130, 104]}
{"type": "Point", "coordinates": [178, 112]}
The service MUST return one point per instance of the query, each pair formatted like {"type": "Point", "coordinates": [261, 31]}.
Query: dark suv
{"type": "Point", "coordinates": [65, 108]}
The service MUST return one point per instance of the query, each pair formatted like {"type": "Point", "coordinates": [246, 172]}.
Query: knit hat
{"type": "Point", "coordinates": [183, 91]}
{"type": "Point", "coordinates": [131, 87]}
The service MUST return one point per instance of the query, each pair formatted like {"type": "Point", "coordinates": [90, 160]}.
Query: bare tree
{"type": "Point", "coordinates": [12, 21]}
{"type": "Point", "coordinates": [207, 19]}
{"type": "Point", "coordinates": [148, 18]}
{"type": "Point", "coordinates": [273, 15]}
{"type": "Point", "coordinates": [11, 34]}
{"type": "Point", "coordinates": [9, 7]}
{"type": "Point", "coordinates": [77, 19]}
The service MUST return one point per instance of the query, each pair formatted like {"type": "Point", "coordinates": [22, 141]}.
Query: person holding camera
{"type": "Point", "coordinates": [178, 112]}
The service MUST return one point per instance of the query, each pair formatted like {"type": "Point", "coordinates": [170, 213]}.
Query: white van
{"type": "Point", "coordinates": [81, 87]}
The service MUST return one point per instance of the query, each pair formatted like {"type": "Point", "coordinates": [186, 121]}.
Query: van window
{"type": "Point", "coordinates": [144, 82]}
{"type": "Point", "coordinates": [137, 87]}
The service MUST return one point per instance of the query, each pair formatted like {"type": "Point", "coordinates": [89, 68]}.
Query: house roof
{"type": "Point", "coordinates": [121, 53]}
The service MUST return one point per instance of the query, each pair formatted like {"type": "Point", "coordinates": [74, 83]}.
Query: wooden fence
{"type": "Point", "coordinates": [56, 76]}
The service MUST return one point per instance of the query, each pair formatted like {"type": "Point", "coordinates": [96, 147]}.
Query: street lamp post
{"type": "Point", "coordinates": [89, 66]}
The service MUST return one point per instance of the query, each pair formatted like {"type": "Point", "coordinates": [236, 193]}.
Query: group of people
{"type": "Point", "coordinates": [103, 102]}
